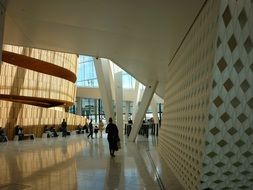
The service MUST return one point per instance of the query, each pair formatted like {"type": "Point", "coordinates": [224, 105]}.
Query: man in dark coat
{"type": "Point", "coordinates": [112, 137]}
{"type": "Point", "coordinates": [64, 128]}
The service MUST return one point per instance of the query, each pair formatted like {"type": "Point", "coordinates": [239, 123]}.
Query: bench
{"type": "Point", "coordinates": [25, 137]}
{"type": "Point", "coordinates": [29, 136]}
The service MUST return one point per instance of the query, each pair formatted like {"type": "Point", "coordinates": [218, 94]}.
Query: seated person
{"type": "Point", "coordinates": [3, 137]}
{"type": "Point", "coordinates": [19, 132]}
{"type": "Point", "coordinates": [53, 131]}
{"type": "Point", "coordinates": [47, 131]}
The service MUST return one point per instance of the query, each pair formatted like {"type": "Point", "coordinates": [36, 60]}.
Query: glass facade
{"type": "Point", "coordinates": [86, 76]}
{"type": "Point", "coordinates": [127, 80]}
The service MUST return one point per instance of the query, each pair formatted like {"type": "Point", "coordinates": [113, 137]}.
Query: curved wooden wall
{"type": "Point", "coordinates": [23, 92]}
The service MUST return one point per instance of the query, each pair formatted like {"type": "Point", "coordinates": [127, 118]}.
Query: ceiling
{"type": "Point", "coordinates": [140, 36]}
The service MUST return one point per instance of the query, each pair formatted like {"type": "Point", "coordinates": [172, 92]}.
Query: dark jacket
{"type": "Point", "coordinates": [113, 133]}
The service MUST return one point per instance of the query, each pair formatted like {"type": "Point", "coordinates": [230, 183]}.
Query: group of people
{"type": "Point", "coordinates": [112, 134]}
{"type": "Point", "coordinates": [51, 132]}
{"type": "Point", "coordinates": [95, 129]}
{"type": "Point", "coordinates": [111, 130]}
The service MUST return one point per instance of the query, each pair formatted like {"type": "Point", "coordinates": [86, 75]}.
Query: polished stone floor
{"type": "Point", "coordinates": [76, 162]}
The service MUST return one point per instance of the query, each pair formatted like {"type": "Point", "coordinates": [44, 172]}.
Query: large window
{"type": "Point", "coordinates": [127, 80]}
{"type": "Point", "coordinates": [86, 76]}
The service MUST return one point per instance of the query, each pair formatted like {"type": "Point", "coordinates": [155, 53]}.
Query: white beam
{"type": "Point", "coordinates": [127, 111]}
{"type": "Point", "coordinates": [79, 106]}
{"type": "Point", "coordinates": [137, 98]}
{"type": "Point", "coordinates": [154, 110]}
{"type": "Point", "coordinates": [119, 102]}
{"type": "Point", "coordinates": [103, 71]}
{"type": "Point", "coordinates": [145, 102]}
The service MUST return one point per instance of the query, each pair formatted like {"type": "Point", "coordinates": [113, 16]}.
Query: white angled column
{"type": "Point", "coordinates": [136, 101]}
{"type": "Point", "coordinates": [79, 105]}
{"type": "Point", "coordinates": [103, 72]}
{"type": "Point", "coordinates": [154, 110]}
{"type": "Point", "coordinates": [145, 102]}
{"type": "Point", "coordinates": [2, 16]}
{"type": "Point", "coordinates": [127, 111]}
{"type": "Point", "coordinates": [119, 101]}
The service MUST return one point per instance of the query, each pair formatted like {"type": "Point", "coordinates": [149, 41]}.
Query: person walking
{"type": "Point", "coordinates": [64, 128]}
{"type": "Point", "coordinates": [112, 137]}
{"type": "Point", "coordinates": [101, 127]}
{"type": "Point", "coordinates": [90, 129]}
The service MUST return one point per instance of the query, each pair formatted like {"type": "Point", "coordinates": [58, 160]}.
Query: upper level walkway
{"type": "Point", "coordinates": [76, 162]}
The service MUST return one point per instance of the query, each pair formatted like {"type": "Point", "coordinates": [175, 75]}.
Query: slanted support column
{"type": "Point", "coordinates": [145, 102]}
{"type": "Point", "coordinates": [2, 16]}
{"type": "Point", "coordinates": [79, 105]}
{"type": "Point", "coordinates": [136, 101]}
{"type": "Point", "coordinates": [119, 102]}
{"type": "Point", "coordinates": [127, 111]}
{"type": "Point", "coordinates": [154, 110]}
{"type": "Point", "coordinates": [103, 71]}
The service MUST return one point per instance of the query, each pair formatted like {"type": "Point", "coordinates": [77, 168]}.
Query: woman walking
{"type": "Point", "coordinates": [112, 137]}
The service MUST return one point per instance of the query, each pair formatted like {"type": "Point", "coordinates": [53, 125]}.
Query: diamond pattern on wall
{"type": "Point", "coordinates": [181, 138]}
{"type": "Point", "coordinates": [238, 66]}
{"type": "Point", "coordinates": [222, 64]}
{"type": "Point", "coordinates": [250, 103]}
{"type": "Point", "coordinates": [225, 117]}
{"type": "Point", "coordinates": [207, 134]}
{"type": "Point", "coordinates": [245, 85]}
{"type": "Point", "coordinates": [232, 131]}
{"type": "Point", "coordinates": [226, 16]}
{"type": "Point", "coordinates": [222, 143]}
{"type": "Point", "coordinates": [218, 101]}
{"type": "Point", "coordinates": [214, 130]}
{"type": "Point", "coordinates": [242, 117]}
{"type": "Point", "coordinates": [248, 45]}
{"type": "Point", "coordinates": [242, 18]}
{"type": "Point", "coordinates": [229, 154]}
{"type": "Point", "coordinates": [235, 102]}
{"type": "Point", "coordinates": [232, 43]}
{"type": "Point", "coordinates": [218, 42]}
{"type": "Point", "coordinates": [228, 84]}
{"type": "Point", "coordinates": [251, 67]}
{"type": "Point", "coordinates": [233, 118]}
{"type": "Point", "coordinates": [247, 154]}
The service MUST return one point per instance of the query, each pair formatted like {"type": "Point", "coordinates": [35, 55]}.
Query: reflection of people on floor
{"type": "Point", "coordinates": [114, 173]}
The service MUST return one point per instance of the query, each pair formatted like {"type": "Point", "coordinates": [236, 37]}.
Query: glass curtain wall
{"type": "Point", "coordinates": [86, 75]}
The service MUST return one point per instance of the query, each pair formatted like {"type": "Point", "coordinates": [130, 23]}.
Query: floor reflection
{"type": "Point", "coordinates": [40, 164]}
{"type": "Point", "coordinates": [114, 174]}
{"type": "Point", "coordinates": [76, 163]}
